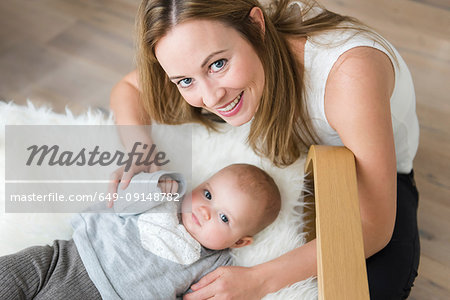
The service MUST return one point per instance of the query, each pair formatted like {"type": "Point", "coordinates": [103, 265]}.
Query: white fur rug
{"type": "Point", "coordinates": [18, 231]}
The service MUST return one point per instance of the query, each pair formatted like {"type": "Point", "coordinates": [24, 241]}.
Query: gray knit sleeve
{"type": "Point", "coordinates": [139, 196]}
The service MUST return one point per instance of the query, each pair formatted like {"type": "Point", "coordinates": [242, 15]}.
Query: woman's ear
{"type": "Point", "coordinates": [257, 17]}
{"type": "Point", "coordinates": [245, 241]}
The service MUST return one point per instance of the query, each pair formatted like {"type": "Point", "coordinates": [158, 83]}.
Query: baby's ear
{"type": "Point", "coordinates": [242, 242]}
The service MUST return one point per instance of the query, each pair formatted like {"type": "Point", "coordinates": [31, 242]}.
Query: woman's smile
{"type": "Point", "coordinates": [233, 107]}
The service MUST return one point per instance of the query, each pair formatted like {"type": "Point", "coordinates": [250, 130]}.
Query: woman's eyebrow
{"type": "Point", "coordinates": [210, 56]}
{"type": "Point", "coordinates": [205, 61]}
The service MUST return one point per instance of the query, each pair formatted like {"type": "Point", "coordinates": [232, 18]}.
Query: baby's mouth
{"type": "Point", "coordinates": [194, 218]}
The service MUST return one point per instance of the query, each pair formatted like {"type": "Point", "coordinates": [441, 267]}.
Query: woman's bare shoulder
{"type": "Point", "coordinates": [132, 79]}
{"type": "Point", "coordinates": [367, 65]}
{"type": "Point", "coordinates": [360, 75]}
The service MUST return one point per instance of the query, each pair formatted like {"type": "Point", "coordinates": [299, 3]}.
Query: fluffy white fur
{"type": "Point", "coordinates": [211, 151]}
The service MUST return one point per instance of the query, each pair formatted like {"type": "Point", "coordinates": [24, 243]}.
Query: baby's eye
{"type": "Point", "coordinates": [218, 65]}
{"type": "Point", "coordinates": [224, 218]}
{"type": "Point", "coordinates": [207, 194]}
{"type": "Point", "coordinates": [185, 82]}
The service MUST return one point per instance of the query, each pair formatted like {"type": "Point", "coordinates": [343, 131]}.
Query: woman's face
{"type": "Point", "coordinates": [214, 68]}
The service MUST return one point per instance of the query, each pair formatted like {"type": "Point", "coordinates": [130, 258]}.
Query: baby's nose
{"type": "Point", "coordinates": [204, 211]}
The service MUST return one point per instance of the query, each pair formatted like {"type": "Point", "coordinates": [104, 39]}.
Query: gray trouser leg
{"type": "Point", "coordinates": [44, 272]}
{"type": "Point", "coordinates": [23, 274]}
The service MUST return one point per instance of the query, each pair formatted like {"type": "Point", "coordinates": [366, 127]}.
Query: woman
{"type": "Point", "coordinates": [301, 75]}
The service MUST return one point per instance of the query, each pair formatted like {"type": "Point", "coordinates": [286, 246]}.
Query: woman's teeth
{"type": "Point", "coordinates": [231, 105]}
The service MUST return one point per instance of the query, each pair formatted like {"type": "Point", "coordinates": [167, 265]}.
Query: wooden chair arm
{"type": "Point", "coordinates": [340, 251]}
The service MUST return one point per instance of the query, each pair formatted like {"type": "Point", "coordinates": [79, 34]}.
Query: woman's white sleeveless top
{"type": "Point", "coordinates": [321, 53]}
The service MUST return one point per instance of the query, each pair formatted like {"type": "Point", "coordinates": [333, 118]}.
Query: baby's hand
{"type": "Point", "coordinates": [168, 185]}
{"type": "Point", "coordinates": [124, 178]}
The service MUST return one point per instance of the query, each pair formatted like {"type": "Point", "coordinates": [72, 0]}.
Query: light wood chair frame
{"type": "Point", "coordinates": [341, 267]}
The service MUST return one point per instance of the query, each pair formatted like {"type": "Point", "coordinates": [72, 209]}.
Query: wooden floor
{"type": "Point", "coordinates": [71, 52]}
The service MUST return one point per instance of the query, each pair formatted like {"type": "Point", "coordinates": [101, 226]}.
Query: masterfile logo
{"type": "Point", "coordinates": [66, 168]}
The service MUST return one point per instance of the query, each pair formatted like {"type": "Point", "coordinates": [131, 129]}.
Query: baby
{"type": "Point", "coordinates": [146, 249]}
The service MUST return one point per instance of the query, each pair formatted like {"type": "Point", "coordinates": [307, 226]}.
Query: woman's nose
{"type": "Point", "coordinates": [212, 95]}
{"type": "Point", "coordinates": [205, 213]}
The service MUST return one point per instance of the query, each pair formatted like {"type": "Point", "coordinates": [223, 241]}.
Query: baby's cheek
{"type": "Point", "coordinates": [213, 239]}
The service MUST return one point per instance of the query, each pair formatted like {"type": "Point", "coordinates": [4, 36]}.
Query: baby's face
{"type": "Point", "coordinates": [218, 214]}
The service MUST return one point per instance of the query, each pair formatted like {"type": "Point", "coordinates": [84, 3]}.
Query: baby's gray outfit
{"type": "Point", "coordinates": [125, 254]}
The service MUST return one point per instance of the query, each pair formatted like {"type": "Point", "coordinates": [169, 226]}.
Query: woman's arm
{"type": "Point", "coordinates": [124, 101]}
{"type": "Point", "coordinates": [258, 281]}
{"type": "Point", "coordinates": [357, 105]}
{"type": "Point", "coordinates": [296, 265]}
{"type": "Point", "coordinates": [125, 104]}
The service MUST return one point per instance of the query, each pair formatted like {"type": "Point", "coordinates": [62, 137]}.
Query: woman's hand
{"type": "Point", "coordinates": [228, 283]}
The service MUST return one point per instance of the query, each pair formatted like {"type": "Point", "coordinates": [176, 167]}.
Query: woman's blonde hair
{"type": "Point", "coordinates": [281, 129]}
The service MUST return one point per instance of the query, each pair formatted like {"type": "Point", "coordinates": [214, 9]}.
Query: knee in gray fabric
{"type": "Point", "coordinates": [24, 273]}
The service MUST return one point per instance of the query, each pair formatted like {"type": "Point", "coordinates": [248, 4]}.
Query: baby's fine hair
{"type": "Point", "coordinates": [261, 187]}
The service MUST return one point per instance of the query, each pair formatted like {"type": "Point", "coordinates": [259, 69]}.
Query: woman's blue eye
{"type": "Point", "coordinates": [224, 218]}
{"type": "Point", "coordinates": [207, 194]}
{"type": "Point", "coordinates": [218, 65]}
{"type": "Point", "coordinates": [185, 82]}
